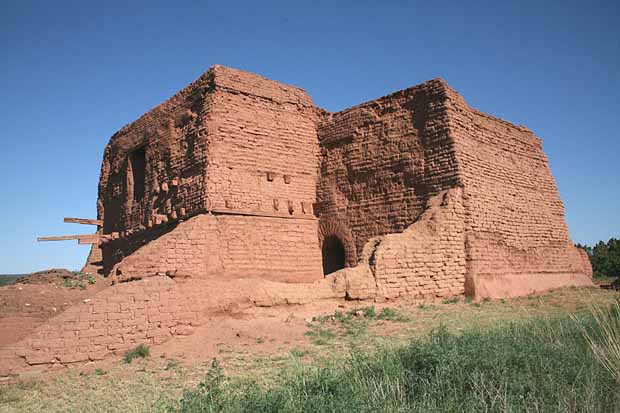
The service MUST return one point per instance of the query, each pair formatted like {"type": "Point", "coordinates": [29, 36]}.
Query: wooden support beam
{"type": "Point", "coordinates": [90, 239]}
{"type": "Point", "coordinates": [84, 221]}
{"type": "Point", "coordinates": [64, 237]}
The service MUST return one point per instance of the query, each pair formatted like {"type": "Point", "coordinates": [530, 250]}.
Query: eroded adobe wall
{"type": "Point", "coordinates": [115, 320]}
{"type": "Point", "coordinates": [427, 260]}
{"type": "Point", "coordinates": [172, 135]}
{"type": "Point", "coordinates": [380, 161]}
{"type": "Point", "coordinates": [263, 152]}
{"type": "Point", "coordinates": [231, 246]}
{"type": "Point", "coordinates": [423, 263]}
{"type": "Point", "coordinates": [148, 311]}
{"type": "Point", "coordinates": [171, 139]}
{"type": "Point", "coordinates": [230, 143]}
{"type": "Point", "coordinates": [516, 229]}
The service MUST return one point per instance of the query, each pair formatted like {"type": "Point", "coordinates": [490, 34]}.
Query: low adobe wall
{"type": "Point", "coordinates": [114, 320]}
{"type": "Point", "coordinates": [423, 263]}
{"type": "Point", "coordinates": [231, 246]}
{"type": "Point", "coordinates": [428, 259]}
{"type": "Point", "coordinates": [147, 311]}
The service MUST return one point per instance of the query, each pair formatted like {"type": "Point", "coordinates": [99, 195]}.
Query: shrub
{"type": "Point", "coordinates": [209, 395]}
{"type": "Point", "coordinates": [141, 351]}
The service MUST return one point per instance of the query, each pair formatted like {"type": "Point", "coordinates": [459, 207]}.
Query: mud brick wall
{"type": "Point", "coordinates": [236, 143]}
{"type": "Point", "coordinates": [427, 260]}
{"type": "Point", "coordinates": [148, 311]}
{"type": "Point", "coordinates": [94, 261]}
{"type": "Point", "coordinates": [381, 160]}
{"type": "Point", "coordinates": [113, 321]}
{"type": "Point", "coordinates": [231, 246]}
{"type": "Point", "coordinates": [263, 152]}
{"type": "Point", "coordinates": [230, 141]}
{"type": "Point", "coordinates": [172, 136]}
{"type": "Point", "coordinates": [514, 215]}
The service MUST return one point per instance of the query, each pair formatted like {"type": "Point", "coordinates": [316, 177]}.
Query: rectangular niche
{"type": "Point", "coordinates": [137, 161]}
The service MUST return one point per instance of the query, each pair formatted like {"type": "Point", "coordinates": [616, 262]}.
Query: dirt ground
{"type": "Point", "coordinates": [265, 344]}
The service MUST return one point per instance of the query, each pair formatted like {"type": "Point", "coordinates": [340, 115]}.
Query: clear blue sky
{"type": "Point", "coordinates": [74, 73]}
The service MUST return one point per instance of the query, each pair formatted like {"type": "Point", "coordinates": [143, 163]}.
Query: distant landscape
{"type": "Point", "coordinates": [6, 279]}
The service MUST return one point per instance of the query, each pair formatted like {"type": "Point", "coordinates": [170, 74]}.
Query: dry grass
{"type": "Point", "coordinates": [152, 384]}
{"type": "Point", "coordinates": [605, 342]}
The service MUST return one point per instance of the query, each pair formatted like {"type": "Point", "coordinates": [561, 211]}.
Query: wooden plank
{"type": "Point", "coordinates": [64, 237]}
{"type": "Point", "coordinates": [84, 221]}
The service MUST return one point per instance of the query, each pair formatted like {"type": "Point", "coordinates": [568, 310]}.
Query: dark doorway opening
{"type": "Point", "coordinates": [333, 255]}
{"type": "Point", "coordinates": [138, 170]}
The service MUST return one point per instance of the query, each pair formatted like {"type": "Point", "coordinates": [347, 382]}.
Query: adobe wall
{"type": "Point", "coordinates": [263, 152]}
{"type": "Point", "coordinates": [148, 311]}
{"type": "Point", "coordinates": [233, 143]}
{"type": "Point", "coordinates": [423, 263]}
{"type": "Point", "coordinates": [385, 160]}
{"type": "Point", "coordinates": [427, 260]}
{"type": "Point", "coordinates": [516, 230]}
{"type": "Point", "coordinates": [231, 246]}
{"type": "Point", "coordinates": [380, 161]}
{"type": "Point", "coordinates": [115, 320]}
{"type": "Point", "coordinates": [173, 137]}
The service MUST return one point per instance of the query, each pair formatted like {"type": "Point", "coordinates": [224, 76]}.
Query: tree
{"type": "Point", "coordinates": [605, 257]}
{"type": "Point", "coordinates": [613, 248]}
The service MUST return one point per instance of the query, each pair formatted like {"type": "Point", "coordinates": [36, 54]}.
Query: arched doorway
{"type": "Point", "coordinates": [333, 255]}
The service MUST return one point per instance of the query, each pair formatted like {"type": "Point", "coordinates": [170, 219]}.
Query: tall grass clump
{"type": "Point", "coordinates": [542, 365]}
{"type": "Point", "coordinates": [604, 336]}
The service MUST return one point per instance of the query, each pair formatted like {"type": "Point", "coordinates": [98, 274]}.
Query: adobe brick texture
{"type": "Point", "coordinates": [245, 177]}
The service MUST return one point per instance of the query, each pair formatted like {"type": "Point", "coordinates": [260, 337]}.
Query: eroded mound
{"type": "Point", "coordinates": [34, 298]}
{"type": "Point", "coordinates": [54, 276]}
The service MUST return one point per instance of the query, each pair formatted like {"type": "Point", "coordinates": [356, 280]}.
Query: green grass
{"type": "Point", "coordinates": [358, 313]}
{"type": "Point", "coordinates": [541, 365]}
{"type": "Point", "coordinates": [78, 279]}
{"type": "Point", "coordinates": [140, 351]}
{"type": "Point", "coordinates": [350, 326]}
{"type": "Point", "coordinates": [320, 336]}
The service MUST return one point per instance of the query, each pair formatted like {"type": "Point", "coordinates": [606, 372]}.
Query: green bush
{"type": "Point", "coordinates": [141, 351]}
{"type": "Point", "coordinates": [544, 365]}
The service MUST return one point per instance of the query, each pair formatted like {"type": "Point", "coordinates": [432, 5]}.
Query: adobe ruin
{"type": "Point", "coordinates": [239, 192]}
{"type": "Point", "coordinates": [237, 176]}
